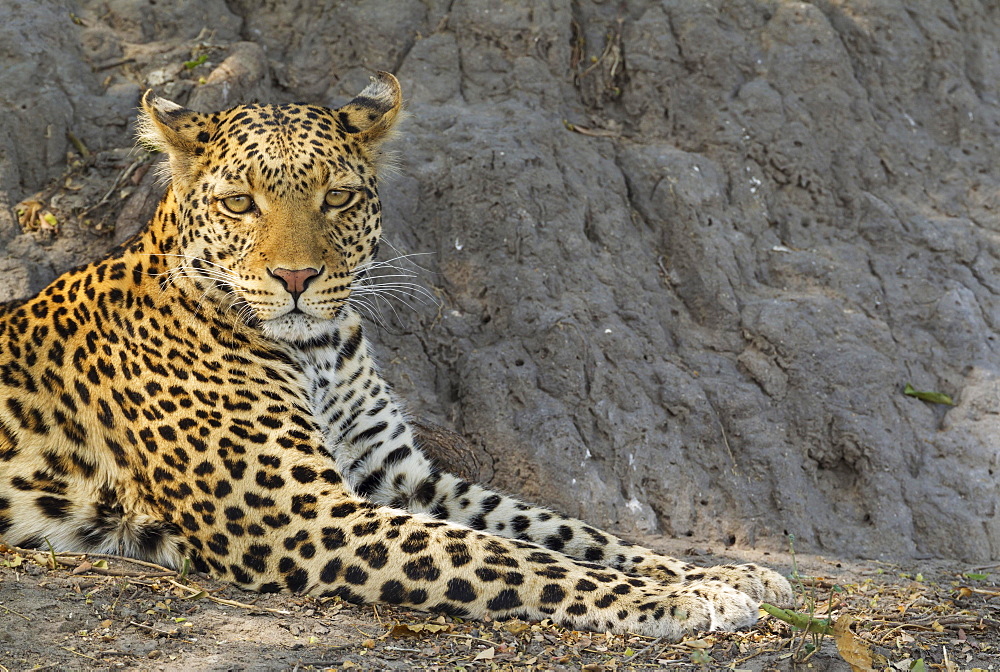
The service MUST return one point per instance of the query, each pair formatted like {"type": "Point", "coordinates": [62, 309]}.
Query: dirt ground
{"type": "Point", "coordinates": [121, 615]}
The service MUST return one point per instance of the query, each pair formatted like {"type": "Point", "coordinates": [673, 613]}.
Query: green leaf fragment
{"type": "Point", "coordinates": [977, 577]}
{"type": "Point", "coordinates": [932, 397]}
{"type": "Point", "coordinates": [194, 63]}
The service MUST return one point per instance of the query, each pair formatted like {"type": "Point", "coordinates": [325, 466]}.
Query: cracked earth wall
{"type": "Point", "coordinates": [687, 254]}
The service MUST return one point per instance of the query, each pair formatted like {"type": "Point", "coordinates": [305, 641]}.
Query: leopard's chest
{"type": "Point", "coordinates": [333, 394]}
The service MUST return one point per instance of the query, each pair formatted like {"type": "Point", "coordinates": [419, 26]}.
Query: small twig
{"type": "Point", "coordinates": [981, 568]}
{"type": "Point", "coordinates": [761, 652]}
{"type": "Point", "coordinates": [123, 558]}
{"type": "Point", "coordinates": [809, 582]}
{"type": "Point", "coordinates": [76, 559]}
{"type": "Point", "coordinates": [70, 561]}
{"type": "Point", "coordinates": [957, 620]}
{"type": "Point", "coordinates": [982, 591]}
{"type": "Point", "coordinates": [641, 652]}
{"type": "Point", "coordinates": [78, 144]}
{"type": "Point", "coordinates": [461, 636]}
{"type": "Point", "coordinates": [592, 132]}
{"type": "Point", "coordinates": [121, 591]}
{"type": "Point", "coordinates": [82, 655]}
{"type": "Point", "coordinates": [161, 633]}
{"type": "Point", "coordinates": [129, 574]}
{"type": "Point", "coordinates": [122, 176]}
{"type": "Point", "coordinates": [113, 64]}
{"type": "Point", "coordinates": [229, 603]}
{"type": "Point", "coordinates": [16, 613]}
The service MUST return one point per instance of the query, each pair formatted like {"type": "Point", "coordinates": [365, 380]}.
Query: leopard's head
{"type": "Point", "coordinates": [277, 205]}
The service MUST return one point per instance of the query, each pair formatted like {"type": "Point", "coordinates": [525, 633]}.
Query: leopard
{"type": "Point", "coordinates": [204, 396]}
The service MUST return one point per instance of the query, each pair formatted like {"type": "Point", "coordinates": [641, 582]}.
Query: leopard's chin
{"type": "Point", "coordinates": [299, 328]}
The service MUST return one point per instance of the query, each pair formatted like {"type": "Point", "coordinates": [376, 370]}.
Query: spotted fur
{"type": "Point", "coordinates": [205, 392]}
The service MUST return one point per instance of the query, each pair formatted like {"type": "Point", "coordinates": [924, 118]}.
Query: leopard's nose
{"type": "Point", "coordinates": [295, 281]}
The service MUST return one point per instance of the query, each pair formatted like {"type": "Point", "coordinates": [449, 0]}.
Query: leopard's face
{"type": "Point", "coordinates": [281, 217]}
{"type": "Point", "coordinates": [278, 210]}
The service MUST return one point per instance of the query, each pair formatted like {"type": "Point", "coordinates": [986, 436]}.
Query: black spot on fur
{"type": "Point", "coordinates": [376, 554]}
{"type": "Point", "coordinates": [460, 590]}
{"type": "Point", "coordinates": [393, 592]}
{"type": "Point", "coordinates": [553, 593]}
{"type": "Point", "coordinates": [330, 571]}
{"type": "Point", "coordinates": [505, 599]}
{"type": "Point", "coordinates": [356, 575]}
{"type": "Point", "coordinates": [54, 507]}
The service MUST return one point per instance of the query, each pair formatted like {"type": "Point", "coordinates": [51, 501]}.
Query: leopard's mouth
{"type": "Point", "coordinates": [300, 327]}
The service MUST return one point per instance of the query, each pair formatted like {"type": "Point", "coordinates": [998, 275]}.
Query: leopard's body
{"type": "Point", "coordinates": [206, 392]}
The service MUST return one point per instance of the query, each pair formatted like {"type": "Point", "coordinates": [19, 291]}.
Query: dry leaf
{"type": "Point", "coordinates": [45, 560]}
{"type": "Point", "coordinates": [699, 644]}
{"type": "Point", "coordinates": [516, 627]}
{"type": "Point", "coordinates": [417, 629]}
{"type": "Point", "coordinates": [852, 649]}
{"type": "Point", "coordinates": [83, 567]}
{"type": "Point", "coordinates": [486, 654]}
{"type": "Point", "coordinates": [28, 214]}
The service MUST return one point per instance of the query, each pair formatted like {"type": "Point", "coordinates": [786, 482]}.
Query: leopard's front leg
{"type": "Point", "coordinates": [480, 508]}
{"type": "Point", "coordinates": [376, 450]}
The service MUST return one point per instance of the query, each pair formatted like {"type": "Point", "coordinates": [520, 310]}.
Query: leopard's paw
{"type": "Point", "coordinates": [726, 608]}
{"type": "Point", "coordinates": [675, 611]}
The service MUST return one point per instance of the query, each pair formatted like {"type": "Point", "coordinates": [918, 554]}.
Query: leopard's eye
{"type": "Point", "coordinates": [238, 205]}
{"type": "Point", "coordinates": [338, 198]}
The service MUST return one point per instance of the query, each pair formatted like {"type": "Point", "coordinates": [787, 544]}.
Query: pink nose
{"type": "Point", "coordinates": [295, 281]}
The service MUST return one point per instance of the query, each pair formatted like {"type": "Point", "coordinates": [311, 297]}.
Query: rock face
{"type": "Point", "coordinates": [686, 255]}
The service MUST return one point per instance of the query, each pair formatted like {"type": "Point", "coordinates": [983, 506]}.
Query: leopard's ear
{"type": "Point", "coordinates": [373, 114]}
{"type": "Point", "coordinates": [180, 133]}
